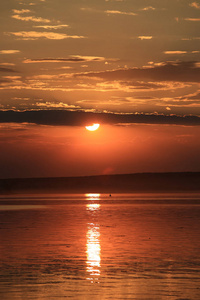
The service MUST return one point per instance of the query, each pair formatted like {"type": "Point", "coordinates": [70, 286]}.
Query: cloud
{"type": "Point", "coordinates": [129, 86]}
{"type": "Point", "coordinates": [11, 77]}
{"type": "Point", "coordinates": [148, 8]}
{"type": "Point", "coordinates": [7, 64]}
{"type": "Point", "coordinates": [81, 118]}
{"type": "Point", "coordinates": [2, 69]}
{"type": "Point", "coordinates": [108, 12]}
{"type": "Point", "coordinates": [76, 82]}
{"type": "Point", "coordinates": [115, 100]}
{"type": "Point", "coordinates": [141, 85]}
{"type": "Point", "coordinates": [10, 82]}
{"type": "Point", "coordinates": [71, 59]}
{"type": "Point", "coordinates": [18, 15]}
{"type": "Point", "coordinates": [51, 26]}
{"type": "Point", "coordinates": [64, 67]}
{"type": "Point", "coordinates": [183, 71]}
{"type": "Point", "coordinates": [190, 100]}
{"type": "Point", "coordinates": [118, 12]}
{"type": "Point", "coordinates": [175, 52]}
{"type": "Point", "coordinates": [56, 105]}
{"type": "Point", "coordinates": [195, 5]}
{"type": "Point", "coordinates": [67, 82]}
{"type": "Point", "coordinates": [20, 98]}
{"type": "Point", "coordinates": [21, 11]}
{"type": "Point", "coordinates": [9, 51]}
{"type": "Point", "coordinates": [194, 96]}
{"type": "Point", "coordinates": [35, 35]}
{"type": "Point", "coordinates": [176, 103]}
{"type": "Point", "coordinates": [31, 18]}
{"type": "Point", "coordinates": [31, 3]}
{"type": "Point", "coordinates": [192, 19]}
{"type": "Point", "coordinates": [45, 77]}
{"type": "Point", "coordinates": [89, 9]}
{"type": "Point", "coordinates": [3, 81]}
{"type": "Point", "coordinates": [145, 37]}
{"type": "Point", "coordinates": [181, 52]}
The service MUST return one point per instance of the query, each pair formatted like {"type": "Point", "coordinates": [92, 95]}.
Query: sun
{"type": "Point", "coordinates": [92, 127]}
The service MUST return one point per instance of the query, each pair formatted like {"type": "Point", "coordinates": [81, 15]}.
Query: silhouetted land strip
{"type": "Point", "coordinates": [124, 183]}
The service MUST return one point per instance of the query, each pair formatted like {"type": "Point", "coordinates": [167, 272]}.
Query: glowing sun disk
{"type": "Point", "coordinates": [92, 127]}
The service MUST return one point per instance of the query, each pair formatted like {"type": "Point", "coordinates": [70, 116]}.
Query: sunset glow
{"type": "Point", "coordinates": [99, 116]}
{"type": "Point", "coordinates": [99, 87]}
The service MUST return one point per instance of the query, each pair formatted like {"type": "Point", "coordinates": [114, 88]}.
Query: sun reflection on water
{"type": "Point", "coordinates": [92, 196]}
{"type": "Point", "coordinates": [93, 247]}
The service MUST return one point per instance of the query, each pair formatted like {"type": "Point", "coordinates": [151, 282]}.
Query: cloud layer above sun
{"type": "Point", "coordinates": [101, 57]}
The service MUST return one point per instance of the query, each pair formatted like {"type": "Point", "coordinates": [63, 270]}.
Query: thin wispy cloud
{"type": "Point", "coordinates": [35, 35]}
{"type": "Point", "coordinates": [6, 70]}
{"type": "Point", "coordinates": [21, 11]}
{"type": "Point", "coordinates": [145, 37]}
{"type": "Point", "coordinates": [175, 52]}
{"type": "Point", "coordinates": [181, 71]}
{"type": "Point", "coordinates": [108, 12]}
{"type": "Point", "coordinates": [195, 5]}
{"type": "Point", "coordinates": [7, 64]}
{"type": "Point", "coordinates": [190, 39]}
{"type": "Point", "coordinates": [118, 12]}
{"type": "Point", "coordinates": [192, 19]}
{"type": "Point", "coordinates": [19, 15]}
{"type": "Point", "coordinates": [89, 9]}
{"type": "Point", "coordinates": [148, 8]}
{"type": "Point", "coordinates": [56, 105]}
{"type": "Point", "coordinates": [9, 51]}
{"type": "Point", "coordinates": [51, 26]}
{"type": "Point", "coordinates": [182, 101]}
{"type": "Point", "coordinates": [30, 4]}
{"type": "Point", "coordinates": [70, 59]}
{"type": "Point", "coordinates": [31, 18]}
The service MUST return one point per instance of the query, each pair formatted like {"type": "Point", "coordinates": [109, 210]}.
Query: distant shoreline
{"type": "Point", "coordinates": [119, 183]}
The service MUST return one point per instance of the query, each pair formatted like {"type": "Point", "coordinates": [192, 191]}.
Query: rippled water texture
{"type": "Point", "coordinates": [100, 247]}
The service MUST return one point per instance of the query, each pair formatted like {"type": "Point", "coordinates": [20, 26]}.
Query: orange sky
{"type": "Point", "coordinates": [109, 61]}
{"type": "Point", "coordinates": [38, 150]}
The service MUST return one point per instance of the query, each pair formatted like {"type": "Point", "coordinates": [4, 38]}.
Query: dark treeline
{"type": "Point", "coordinates": [125, 183]}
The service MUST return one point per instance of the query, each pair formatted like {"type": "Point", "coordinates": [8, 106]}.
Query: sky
{"type": "Point", "coordinates": [132, 66]}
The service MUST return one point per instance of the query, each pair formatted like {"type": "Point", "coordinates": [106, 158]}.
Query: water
{"type": "Point", "coordinates": [99, 247]}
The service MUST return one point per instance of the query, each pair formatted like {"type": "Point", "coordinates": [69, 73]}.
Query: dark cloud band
{"type": "Point", "coordinates": [80, 118]}
{"type": "Point", "coordinates": [169, 71]}
{"type": "Point", "coordinates": [6, 70]}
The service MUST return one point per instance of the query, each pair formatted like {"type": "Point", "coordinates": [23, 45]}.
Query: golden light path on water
{"type": "Point", "coordinates": [93, 247]}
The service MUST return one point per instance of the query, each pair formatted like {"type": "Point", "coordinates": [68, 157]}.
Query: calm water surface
{"type": "Point", "coordinates": [99, 247]}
